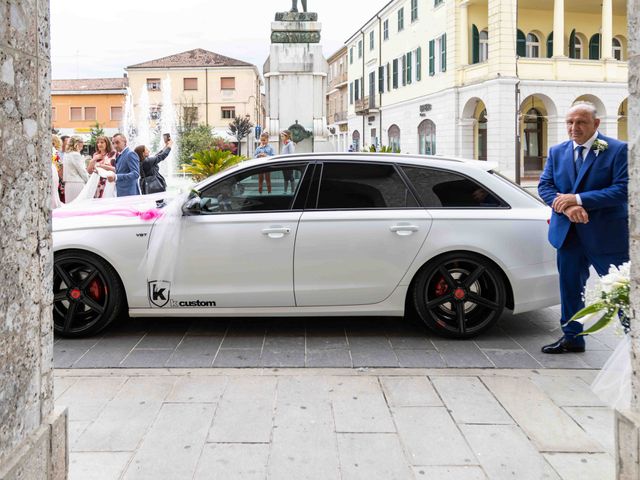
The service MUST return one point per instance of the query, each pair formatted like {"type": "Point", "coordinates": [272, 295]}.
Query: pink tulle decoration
{"type": "Point", "coordinates": [147, 215]}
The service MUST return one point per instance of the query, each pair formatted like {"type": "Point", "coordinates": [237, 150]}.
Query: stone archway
{"type": "Point", "coordinates": [623, 112]}
{"type": "Point", "coordinates": [471, 145]}
{"type": "Point", "coordinates": [536, 113]}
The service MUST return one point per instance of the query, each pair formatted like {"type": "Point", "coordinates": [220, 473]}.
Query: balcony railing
{"type": "Point", "coordinates": [338, 80]}
{"type": "Point", "coordinates": [564, 69]}
{"type": "Point", "coordinates": [339, 117]}
{"type": "Point", "coordinates": [366, 105]}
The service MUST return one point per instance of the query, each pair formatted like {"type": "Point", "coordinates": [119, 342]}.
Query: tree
{"type": "Point", "coordinates": [199, 139]}
{"type": "Point", "coordinates": [96, 131]}
{"type": "Point", "coordinates": [240, 128]}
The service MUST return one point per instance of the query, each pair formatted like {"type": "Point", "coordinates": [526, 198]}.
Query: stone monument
{"type": "Point", "coordinates": [296, 80]}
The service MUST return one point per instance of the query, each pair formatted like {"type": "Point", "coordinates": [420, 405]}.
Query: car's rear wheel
{"type": "Point", "coordinates": [459, 295]}
{"type": "Point", "coordinates": [87, 294]}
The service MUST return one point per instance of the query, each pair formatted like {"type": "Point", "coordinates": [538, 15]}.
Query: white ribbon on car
{"type": "Point", "coordinates": [161, 258]}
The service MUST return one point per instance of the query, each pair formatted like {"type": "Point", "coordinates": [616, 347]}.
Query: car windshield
{"type": "Point", "coordinates": [516, 186]}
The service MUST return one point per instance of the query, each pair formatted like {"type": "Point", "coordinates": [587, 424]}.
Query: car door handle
{"type": "Point", "coordinates": [276, 232]}
{"type": "Point", "coordinates": [404, 230]}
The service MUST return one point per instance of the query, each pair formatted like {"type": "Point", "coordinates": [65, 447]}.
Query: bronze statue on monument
{"type": "Point", "coordinates": [294, 6]}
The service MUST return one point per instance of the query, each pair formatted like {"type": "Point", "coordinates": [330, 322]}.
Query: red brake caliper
{"type": "Point", "coordinates": [441, 287]}
{"type": "Point", "coordinates": [95, 291]}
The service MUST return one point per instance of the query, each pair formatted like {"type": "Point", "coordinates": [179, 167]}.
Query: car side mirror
{"type": "Point", "coordinates": [192, 206]}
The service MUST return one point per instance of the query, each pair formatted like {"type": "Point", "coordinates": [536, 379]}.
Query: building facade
{"type": "Point", "coordinates": [77, 105]}
{"type": "Point", "coordinates": [205, 88]}
{"type": "Point", "coordinates": [338, 100]}
{"type": "Point", "coordinates": [486, 79]}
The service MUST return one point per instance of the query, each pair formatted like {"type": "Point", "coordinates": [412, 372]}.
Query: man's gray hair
{"type": "Point", "coordinates": [121, 135]}
{"type": "Point", "coordinates": [585, 106]}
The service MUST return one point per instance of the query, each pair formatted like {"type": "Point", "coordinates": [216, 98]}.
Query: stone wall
{"type": "Point", "coordinates": [628, 423]}
{"type": "Point", "coordinates": [32, 435]}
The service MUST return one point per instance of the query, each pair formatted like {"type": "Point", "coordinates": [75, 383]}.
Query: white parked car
{"type": "Point", "coordinates": [312, 235]}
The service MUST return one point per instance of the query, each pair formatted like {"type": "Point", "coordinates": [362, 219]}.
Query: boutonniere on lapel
{"type": "Point", "coordinates": [599, 146]}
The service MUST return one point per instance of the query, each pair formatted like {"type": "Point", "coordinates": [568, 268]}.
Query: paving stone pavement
{"type": "Point", "coordinates": [343, 424]}
{"type": "Point", "coordinates": [324, 343]}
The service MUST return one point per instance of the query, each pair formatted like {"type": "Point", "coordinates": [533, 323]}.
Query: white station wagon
{"type": "Point", "coordinates": [311, 235]}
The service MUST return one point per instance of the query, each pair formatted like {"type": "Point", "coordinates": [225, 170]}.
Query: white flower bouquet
{"type": "Point", "coordinates": [606, 301]}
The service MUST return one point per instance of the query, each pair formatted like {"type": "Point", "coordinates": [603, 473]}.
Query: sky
{"type": "Point", "coordinates": [98, 39]}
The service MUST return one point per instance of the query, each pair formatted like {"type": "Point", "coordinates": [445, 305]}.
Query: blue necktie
{"type": "Point", "coordinates": [580, 159]}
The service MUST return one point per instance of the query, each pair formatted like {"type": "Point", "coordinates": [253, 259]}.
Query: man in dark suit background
{"type": "Point", "coordinates": [585, 181]}
{"type": "Point", "coordinates": [127, 176]}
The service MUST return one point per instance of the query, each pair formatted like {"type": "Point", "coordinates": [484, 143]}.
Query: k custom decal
{"type": "Point", "coordinates": [159, 293]}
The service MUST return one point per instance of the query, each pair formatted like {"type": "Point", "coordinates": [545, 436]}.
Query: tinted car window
{"type": "Point", "coordinates": [265, 189]}
{"type": "Point", "coordinates": [442, 189]}
{"type": "Point", "coordinates": [361, 185]}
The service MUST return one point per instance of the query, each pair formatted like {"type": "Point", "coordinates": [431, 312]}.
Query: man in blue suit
{"type": "Point", "coordinates": [127, 176]}
{"type": "Point", "coordinates": [585, 181]}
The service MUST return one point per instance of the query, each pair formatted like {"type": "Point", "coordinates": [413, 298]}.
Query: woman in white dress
{"type": "Point", "coordinates": [74, 173]}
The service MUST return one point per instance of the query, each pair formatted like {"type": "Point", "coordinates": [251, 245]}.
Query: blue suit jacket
{"type": "Point", "coordinates": [128, 173]}
{"type": "Point", "coordinates": [602, 184]}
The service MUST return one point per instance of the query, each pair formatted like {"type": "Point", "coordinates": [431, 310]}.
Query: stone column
{"type": "Point", "coordinates": [558, 28]}
{"type": "Point", "coordinates": [628, 423]}
{"type": "Point", "coordinates": [606, 44]}
{"type": "Point", "coordinates": [464, 33]}
{"type": "Point", "coordinates": [32, 435]}
{"type": "Point", "coordinates": [502, 38]}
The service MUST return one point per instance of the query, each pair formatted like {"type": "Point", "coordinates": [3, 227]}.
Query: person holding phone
{"type": "Point", "coordinates": [151, 181]}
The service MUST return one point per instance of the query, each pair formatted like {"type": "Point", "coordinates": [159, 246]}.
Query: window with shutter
{"type": "Point", "coordinates": [75, 114]}
{"type": "Point", "coordinates": [475, 44]}
{"type": "Point", "coordinates": [443, 53]}
{"type": "Point", "coordinates": [356, 87]}
{"type": "Point", "coordinates": [572, 44]}
{"type": "Point", "coordinates": [594, 47]}
{"type": "Point", "coordinates": [401, 19]}
{"type": "Point", "coordinates": [409, 68]}
{"type": "Point", "coordinates": [351, 93]}
{"type": "Point", "coordinates": [432, 57]}
{"type": "Point", "coordinates": [550, 45]}
{"type": "Point", "coordinates": [418, 64]}
{"type": "Point", "coordinates": [381, 79]}
{"type": "Point", "coordinates": [228, 83]}
{"type": "Point", "coordinates": [388, 77]}
{"type": "Point", "coordinates": [190, 84]}
{"type": "Point", "coordinates": [521, 44]}
{"type": "Point", "coordinates": [90, 113]}
{"type": "Point", "coordinates": [404, 70]}
{"type": "Point", "coordinates": [395, 73]}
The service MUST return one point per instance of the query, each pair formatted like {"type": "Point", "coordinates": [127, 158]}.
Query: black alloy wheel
{"type": "Point", "coordinates": [459, 295]}
{"type": "Point", "coordinates": [87, 294]}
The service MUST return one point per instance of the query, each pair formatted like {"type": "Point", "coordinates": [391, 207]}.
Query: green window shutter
{"type": "Point", "coordinates": [475, 44]}
{"type": "Point", "coordinates": [351, 93]}
{"type": "Point", "coordinates": [419, 64]}
{"type": "Point", "coordinates": [395, 73]}
{"type": "Point", "coordinates": [550, 45]}
{"type": "Point", "coordinates": [521, 45]}
{"type": "Point", "coordinates": [432, 58]}
{"type": "Point", "coordinates": [404, 70]}
{"type": "Point", "coordinates": [443, 58]}
{"type": "Point", "coordinates": [572, 44]}
{"type": "Point", "coordinates": [388, 77]}
{"type": "Point", "coordinates": [409, 68]}
{"type": "Point", "coordinates": [381, 79]}
{"type": "Point", "coordinates": [594, 47]}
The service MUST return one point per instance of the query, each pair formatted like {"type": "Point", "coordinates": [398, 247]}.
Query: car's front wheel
{"type": "Point", "coordinates": [87, 294]}
{"type": "Point", "coordinates": [459, 295]}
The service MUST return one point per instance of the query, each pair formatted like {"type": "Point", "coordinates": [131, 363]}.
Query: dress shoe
{"type": "Point", "coordinates": [563, 346]}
